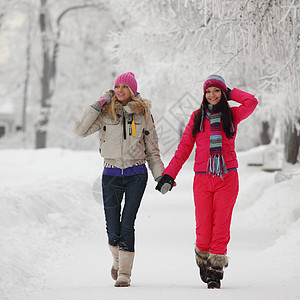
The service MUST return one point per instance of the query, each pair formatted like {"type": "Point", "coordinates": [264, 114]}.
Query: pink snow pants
{"type": "Point", "coordinates": [214, 201]}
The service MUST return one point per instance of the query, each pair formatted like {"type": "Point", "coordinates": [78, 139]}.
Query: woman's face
{"type": "Point", "coordinates": [213, 95]}
{"type": "Point", "coordinates": [122, 93]}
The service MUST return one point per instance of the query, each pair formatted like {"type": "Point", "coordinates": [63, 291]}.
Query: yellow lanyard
{"type": "Point", "coordinates": [133, 127]}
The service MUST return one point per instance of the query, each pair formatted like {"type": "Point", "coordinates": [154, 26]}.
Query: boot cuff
{"type": "Point", "coordinates": [218, 261]}
{"type": "Point", "coordinates": [202, 254]}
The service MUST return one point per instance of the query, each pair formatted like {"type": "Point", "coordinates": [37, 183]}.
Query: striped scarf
{"type": "Point", "coordinates": [216, 164]}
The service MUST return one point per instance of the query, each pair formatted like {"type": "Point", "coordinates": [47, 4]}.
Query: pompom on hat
{"type": "Point", "coordinates": [215, 81]}
{"type": "Point", "coordinates": [128, 79]}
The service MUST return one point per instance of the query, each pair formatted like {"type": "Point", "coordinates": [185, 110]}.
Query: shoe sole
{"type": "Point", "coordinates": [213, 285]}
{"type": "Point", "coordinates": [122, 284]}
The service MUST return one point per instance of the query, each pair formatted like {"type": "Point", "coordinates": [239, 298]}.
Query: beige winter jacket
{"type": "Point", "coordinates": [118, 145]}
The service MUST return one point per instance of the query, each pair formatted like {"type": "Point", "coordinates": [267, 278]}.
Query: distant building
{"type": "Point", "coordinates": [7, 120]}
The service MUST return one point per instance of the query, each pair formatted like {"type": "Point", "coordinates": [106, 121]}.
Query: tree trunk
{"type": "Point", "coordinates": [292, 144]}
{"type": "Point", "coordinates": [27, 79]}
{"type": "Point", "coordinates": [46, 80]}
{"type": "Point", "coordinates": [265, 135]}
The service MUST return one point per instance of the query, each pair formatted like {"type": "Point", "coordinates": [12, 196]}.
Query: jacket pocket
{"type": "Point", "coordinates": [136, 127]}
{"type": "Point", "coordinates": [229, 155]}
{"type": "Point", "coordinates": [110, 138]}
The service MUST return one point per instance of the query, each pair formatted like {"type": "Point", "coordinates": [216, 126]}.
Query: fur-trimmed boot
{"type": "Point", "coordinates": [125, 267]}
{"type": "Point", "coordinates": [201, 260]}
{"type": "Point", "coordinates": [214, 274]}
{"type": "Point", "coordinates": [115, 266]}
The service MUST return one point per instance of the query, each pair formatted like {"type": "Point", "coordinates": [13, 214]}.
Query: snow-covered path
{"type": "Point", "coordinates": [77, 264]}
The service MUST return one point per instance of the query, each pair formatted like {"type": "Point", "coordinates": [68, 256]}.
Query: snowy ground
{"type": "Point", "coordinates": [53, 243]}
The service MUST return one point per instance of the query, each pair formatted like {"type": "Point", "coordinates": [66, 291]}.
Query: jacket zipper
{"type": "Point", "coordinates": [124, 126]}
{"type": "Point", "coordinates": [124, 138]}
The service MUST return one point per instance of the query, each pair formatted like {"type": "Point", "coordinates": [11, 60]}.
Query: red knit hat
{"type": "Point", "coordinates": [216, 81]}
{"type": "Point", "coordinates": [128, 79]}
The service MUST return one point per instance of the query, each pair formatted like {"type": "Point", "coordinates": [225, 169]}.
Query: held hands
{"type": "Point", "coordinates": [165, 183]}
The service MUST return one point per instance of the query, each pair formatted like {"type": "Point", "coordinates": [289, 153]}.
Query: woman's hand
{"type": "Point", "coordinates": [104, 99]}
{"type": "Point", "coordinates": [165, 183]}
{"type": "Point", "coordinates": [228, 93]}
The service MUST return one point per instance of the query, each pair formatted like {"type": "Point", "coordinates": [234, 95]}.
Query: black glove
{"type": "Point", "coordinates": [228, 93]}
{"type": "Point", "coordinates": [165, 183]}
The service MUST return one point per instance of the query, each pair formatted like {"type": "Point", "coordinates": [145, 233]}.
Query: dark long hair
{"type": "Point", "coordinates": [227, 117]}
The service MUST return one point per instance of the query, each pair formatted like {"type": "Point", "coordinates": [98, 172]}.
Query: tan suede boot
{"type": "Point", "coordinates": [125, 267]}
{"type": "Point", "coordinates": [115, 266]}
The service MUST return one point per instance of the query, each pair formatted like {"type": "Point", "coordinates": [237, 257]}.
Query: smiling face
{"type": "Point", "coordinates": [122, 93]}
{"type": "Point", "coordinates": [213, 95]}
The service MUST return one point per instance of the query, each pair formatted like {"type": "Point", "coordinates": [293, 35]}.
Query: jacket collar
{"type": "Point", "coordinates": [133, 107]}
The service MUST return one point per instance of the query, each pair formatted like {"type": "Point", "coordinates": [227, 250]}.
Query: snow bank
{"type": "Point", "coordinates": [277, 208]}
{"type": "Point", "coordinates": [268, 211]}
{"type": "Point", "coordinates": [263, 202]}
{"type": "Point", "coordinates": [46, 202]}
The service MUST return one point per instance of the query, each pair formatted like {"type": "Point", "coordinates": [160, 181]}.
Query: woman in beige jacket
{"type": "Point", "coordinates": [127, 139]}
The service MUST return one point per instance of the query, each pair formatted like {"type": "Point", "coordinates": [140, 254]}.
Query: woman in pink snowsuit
{"type": "Point", "coordinates": [213, 128]}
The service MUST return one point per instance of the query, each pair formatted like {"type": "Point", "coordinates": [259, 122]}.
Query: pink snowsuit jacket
{"type": "Point", "coordinates": [248, 103]}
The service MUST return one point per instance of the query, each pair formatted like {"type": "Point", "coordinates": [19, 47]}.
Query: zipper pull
{"type": "Point", "coordinates": [133, 127]}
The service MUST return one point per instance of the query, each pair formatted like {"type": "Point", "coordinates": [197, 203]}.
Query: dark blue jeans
{"type": "Point", "coordinates": [120, 222]}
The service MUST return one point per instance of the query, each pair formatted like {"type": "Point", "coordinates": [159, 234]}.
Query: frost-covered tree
{"type": "Point", "coordinates": [50, 28]}
{"type": "Point", "coordinates": [255, 44]}
{"type": "Point", "coordinates": [171, 46]}
{"type": "Point", "coordinates": [85, 71]}
{"type": "Point", "coordinates": [13, 68]}
{"type": "Point", "coordinates": [53, 57]}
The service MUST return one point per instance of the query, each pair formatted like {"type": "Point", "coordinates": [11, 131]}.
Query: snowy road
{"type": "Point", "coordinates": [77, 261]}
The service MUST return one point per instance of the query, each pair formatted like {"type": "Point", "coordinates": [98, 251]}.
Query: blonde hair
{"type": "Point", "coordinates": [133, 98]}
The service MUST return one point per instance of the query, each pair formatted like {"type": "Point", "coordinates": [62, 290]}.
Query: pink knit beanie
{"type": "Point", "coordinates": [128, 79]}
{"type": "Point", "coordinates": [216, 81]}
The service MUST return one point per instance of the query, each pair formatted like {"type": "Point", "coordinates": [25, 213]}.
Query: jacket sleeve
{"type": "Point", "coordinates": [183, 151]}
{"type": "Point", "coordinates": [248, 104]}
{"type": "Point", "coordinates": [152, 150]}
{"type": "Point", "coordinates": [88, 123]}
